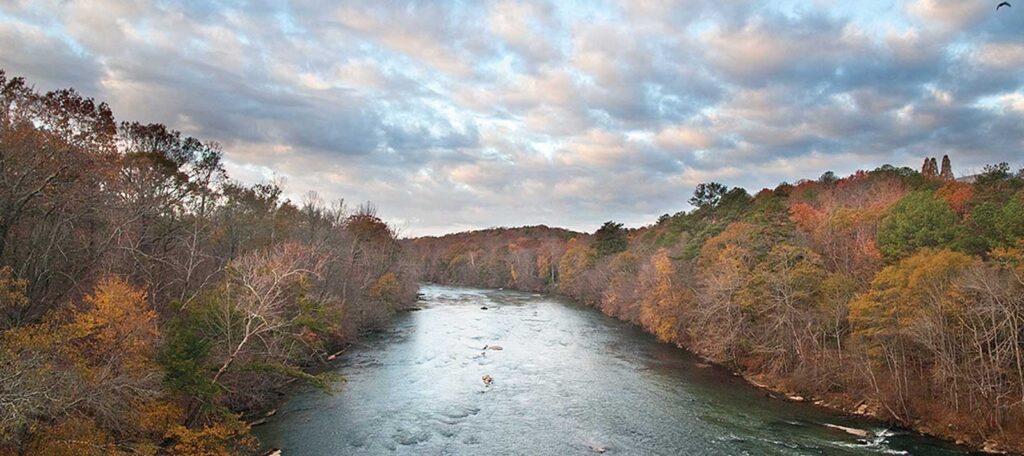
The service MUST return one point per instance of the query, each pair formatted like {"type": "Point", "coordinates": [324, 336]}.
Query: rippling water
{"type": "Point", "coordinates": [567, 380]}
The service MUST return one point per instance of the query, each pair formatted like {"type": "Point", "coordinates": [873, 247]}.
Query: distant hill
{"type": "Point", "coordinates": [532, 232]}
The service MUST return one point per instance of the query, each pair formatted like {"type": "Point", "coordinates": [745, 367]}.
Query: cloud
{"type": "Point", "coordinates": [684, 136]}
{"type": "Point", "coordinates": [454, 115]}
{"type": "Point", "coordinates": [523, 26]}
{"type": "Point", "coordinates": [1001, 56]}
{"type": "Point", "coordinates": [952, 14]}
{"type": "Point", "coordinates": [47, 59]}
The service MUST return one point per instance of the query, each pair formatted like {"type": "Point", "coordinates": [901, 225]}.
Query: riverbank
{"type": "Point", "coordinates": [260, 414]}
{"type": "Point", "coordinates": [780, 389]}
{"type": "Point", "coordinates": [853, 406]}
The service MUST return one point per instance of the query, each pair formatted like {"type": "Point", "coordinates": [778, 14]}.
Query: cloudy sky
{"type": "Point", "coordinates": [459, 115]}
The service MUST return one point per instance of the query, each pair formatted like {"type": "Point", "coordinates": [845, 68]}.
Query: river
{"type": "Point", "coordinates": [568, 380]}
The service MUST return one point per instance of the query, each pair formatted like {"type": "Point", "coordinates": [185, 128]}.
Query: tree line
{"type": "Point", "coordinates": [147, 301]}
{"type": "Point", "coordinates": [894, 292]}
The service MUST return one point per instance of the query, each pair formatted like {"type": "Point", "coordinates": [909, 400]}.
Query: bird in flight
{"type": "Point", "coordinates": [1006, 4]}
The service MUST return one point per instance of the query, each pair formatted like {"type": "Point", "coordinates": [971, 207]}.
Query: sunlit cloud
{"type": "Point", "coordinates": [452, 116]}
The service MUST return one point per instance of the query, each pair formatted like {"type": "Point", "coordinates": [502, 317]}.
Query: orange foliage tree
{"type": "Point", "coordinates": [663, 300]}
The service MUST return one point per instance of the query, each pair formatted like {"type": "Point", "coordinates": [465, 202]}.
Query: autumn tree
{"type": "Point", "coordinates": [55, 156]}
{"type": "Point", "coordinates": [573, 265]}
{"type": "Point", "coordinates": [957, 195]}
{"type": "Point", "coordinates": [259, 314]}
{"type": "Point", "coordinates": [619, 297]}
{"type": "Point", "coordinates": [984, 360]}
{"type": "Point", "coordinates": [662, 306]}
{"type": "Point", "coordinates": [166, 187]}
{"type": "Point", "coordinates": [720, 327]}
{"type": "Point", "coordinates": [93, 367]}
{"type": "Point", "coordinates": [784, 292]}
{"type": "Point", "coordinates": [13, 299]}
{"type": "Point", "coordinates": [903, 319]}
{"type": "Point", "coordinates": [836, 292]}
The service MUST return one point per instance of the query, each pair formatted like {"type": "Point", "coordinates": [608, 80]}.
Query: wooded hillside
{"type": "Point", "coordinates": [894, 292]}
{"type": "Point", "coordinates": [146, 299]}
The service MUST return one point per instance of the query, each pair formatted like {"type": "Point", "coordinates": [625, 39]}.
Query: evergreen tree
{"type": "Point", "coordinates": [916, 221]}
{"type": "Point", "coordinates": [609, 239]}
{"type": "Point", "coordinates": [708, 195]}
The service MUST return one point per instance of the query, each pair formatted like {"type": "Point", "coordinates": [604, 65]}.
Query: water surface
{"type": "Point", "coordinates": [567, 380]}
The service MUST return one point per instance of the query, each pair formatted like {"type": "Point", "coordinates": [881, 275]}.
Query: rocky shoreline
{"type": "Point", "coordinates": [849, 405]}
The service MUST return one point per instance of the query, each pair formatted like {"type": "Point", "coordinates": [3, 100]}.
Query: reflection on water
{"type": "Point", "coordinates": [567, 380]}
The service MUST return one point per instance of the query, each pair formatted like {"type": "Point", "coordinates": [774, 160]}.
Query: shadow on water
{"type": "Point", "coordinates": [566, 380]}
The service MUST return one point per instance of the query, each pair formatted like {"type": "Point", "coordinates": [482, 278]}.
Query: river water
{"type": "Point", "coordinates": [567, 380]}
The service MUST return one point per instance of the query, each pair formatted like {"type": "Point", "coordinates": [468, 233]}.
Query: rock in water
{"type": "Point", "coordinates": [483, 307]}
{"type": "Point", "coordinates": [487, 379]}
{"type": "Point", "coordinates": [849, 430]}
{"type": "Point", "coordinates": [992, 448]}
